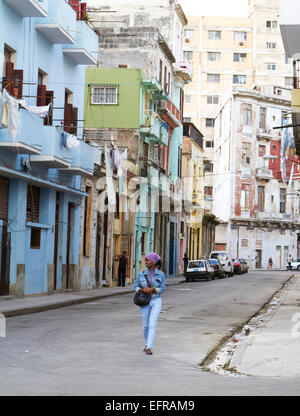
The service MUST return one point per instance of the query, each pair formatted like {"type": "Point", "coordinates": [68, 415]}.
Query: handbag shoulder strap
{"type": "Point", "coordinates": [146, 277]}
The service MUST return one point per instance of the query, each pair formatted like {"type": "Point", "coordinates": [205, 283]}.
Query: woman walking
{"type": "Point", "coordinates": [150, 312]}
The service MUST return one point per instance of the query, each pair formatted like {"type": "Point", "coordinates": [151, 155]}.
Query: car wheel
{"type": "Point", "coordinates": [193, 280]}
{"type": "Point", "coordinates": [187, 279]}
{"type": "Point", "coordinates": [298, 268]}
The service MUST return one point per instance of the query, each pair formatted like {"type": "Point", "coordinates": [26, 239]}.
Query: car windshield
{"type": "Point", "coordinates": [213, 261]}
{"type": "Point", "coordinates": [194, 264]}
{"type": "Point", "coordinates": [220, 256]}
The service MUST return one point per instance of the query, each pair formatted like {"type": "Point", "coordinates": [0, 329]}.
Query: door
{"type": "Point", "coordinates": [56, 239]}
{"type": "Point", "coordinates": [171, 249]}
{"type": "Point", "coordinates": [258, 259]}
{"type": "Point", "coordinates": [98, 247]}
{"type": "Point", "coordinates": [69, 241]}
{"type": "Point", "coordinates": [4, 237]}
{"type": "Point", "coordinates": [278, 257]}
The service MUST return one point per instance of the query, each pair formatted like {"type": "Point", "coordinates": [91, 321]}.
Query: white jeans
{"type": "Point", "coordinates": [150, 315]}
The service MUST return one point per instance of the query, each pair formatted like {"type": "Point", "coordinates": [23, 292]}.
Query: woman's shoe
{"type": "Point", "coordinates": [148, 351]}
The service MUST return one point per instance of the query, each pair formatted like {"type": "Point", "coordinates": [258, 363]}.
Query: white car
{"type": "Point", "coordinates": [199, 269]}
{"type": "Point", "coordinates": [295, 265]}
{"type": "Point", "coordinates": [225, 259]}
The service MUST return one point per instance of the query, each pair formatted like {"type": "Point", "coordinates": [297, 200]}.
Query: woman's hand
{"type": "Point", "coordinates": [148, 290]}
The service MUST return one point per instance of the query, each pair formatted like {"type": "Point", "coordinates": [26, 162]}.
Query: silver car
{"type": "Point", "coordinates": [199, 269]}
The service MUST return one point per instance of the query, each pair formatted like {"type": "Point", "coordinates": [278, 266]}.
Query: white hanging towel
{"type": "Point", "coordinates": [109, 181]}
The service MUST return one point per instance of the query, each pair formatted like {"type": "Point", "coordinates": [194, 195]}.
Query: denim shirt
{"type": "Point", "coordinates": [158, 281]}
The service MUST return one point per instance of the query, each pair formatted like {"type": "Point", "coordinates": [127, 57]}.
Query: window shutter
{"type": "Point", "coordinates": [4, 191]}
{"type": "Point", "coordinates": [68, 117]}
{"type": "Point", "coordinates": [18, 83]}
{"type": "Point", "coordinates": [74, 119]}
{"type": "Point", "coordinates": [9, 73]}
{"type": "Point", "coordinates": [49, 99]}
{"type": "Point", "coordinates": [41, 98]}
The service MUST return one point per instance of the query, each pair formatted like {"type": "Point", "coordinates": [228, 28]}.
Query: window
{"type": "Point", "coordinates": [213, 78]}
{"type": "Point", "coordinates": [240, 36]}
{"type": "Point", "coordinates": [239, 57]}
{"type": "Point", "coordinates": [165, 78]}
{"type": "Point", "coordinates": [213, 56]}
{"type": "Point", "coordinates": [188, 34]}
{"type": "Point", "coordinates": [160, 71]}
{"type": "Point", "coordinates": [187, 99]}
{"type": "Point", "coordinates": [262, 118]}
{"type": "Point", "coordinates": [209, 122]}
{"type": "Point", "coordinates": [44, 97]}
{"type": "Point", "coordinates": [188, 55]}
{"type": "Point", "coordinates": [239, 79]}
{"type": "Point", "coordinates": [282, 200]}
{"type": "Point", "coordinates": [246, 153]}
{"type": "Point", "coordinates": [212, 99]}
{"type": "Point", "coordinates": [245, 197]}
{"type": "Point", "coordinates": [208, 167]}
{"type": "Point", "coordinates": [261, 150]}
{"type": "Point", "coordinates": [271, 24]}
{"type": "Point", "coordinates": [105, 94]}
{"type": "Point", "coordinates": [271, 67]}
{"type": "Point", "coordinates": [214, 34]}
{"type": "Point", "coordinates": [35, 238]}
{"type": "Point", "coordinates": [289, 81]}
{"type": "Point", "coordinates": [261, 198]}
{"type": "Point", "coordinates": [187, 119]}
{"type": "Point", "coordinates": [247, 114]}
{"type": "Point", "coordinates": [209, 144]}
{"type": "Point", "coordinates": [271, 45]}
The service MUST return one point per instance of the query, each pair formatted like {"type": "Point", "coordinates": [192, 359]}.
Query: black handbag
{"type": "Point", "coordinates": [141, 298]}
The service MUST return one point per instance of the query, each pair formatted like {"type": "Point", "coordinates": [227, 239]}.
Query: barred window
{"type": "Point", "coordinates": [105, 94]}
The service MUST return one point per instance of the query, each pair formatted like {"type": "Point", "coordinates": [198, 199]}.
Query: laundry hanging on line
{"type": "Point", "coordinates": [10, 111]}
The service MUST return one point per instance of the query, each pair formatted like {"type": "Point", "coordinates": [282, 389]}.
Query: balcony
{"type": "Point", "coordinates": [264, 173]}
{"type": "Point", "coordinates": [54, 155]}
{"type": "Point", "coordinates": [55, 33]}
{"type": "Point", "coordinates": [86, 44]}
{"type": "Point", "coordinates": [164, 136]}
{"type": "Point", "coordinates": [59, 22]}
{"type": "Point", "coordinates": [152, 84]}
{"type": "Point", "coordinates": [170, 113]}
{"type": "Point", "coordinates": [264, 134]}
{"type": "Point", "coordinates": [83, 159]}
{"type": "Point", "coordinates": [184, 70]}
{"type": "Point", "coordinates": [29, 135]}
{"type": "Point", "coordinates": [27, 8]}
{"type": "Point", "coordinates": [151, 126]}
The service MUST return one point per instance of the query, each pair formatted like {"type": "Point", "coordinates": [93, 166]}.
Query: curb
{"type": "Point", "coordinates": [42, 308]}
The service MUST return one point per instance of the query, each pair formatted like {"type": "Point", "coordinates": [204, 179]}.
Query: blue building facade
{"type": "Point", "coordinates": [43, 53]}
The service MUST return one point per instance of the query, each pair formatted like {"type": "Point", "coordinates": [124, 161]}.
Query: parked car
{"type": "Point", "coordinates": [238, 266]}
{"type": "Point", "coordinates": [218, 268]}
{"type": "Point", "coordinates": [225, 259]}
{"type": "Point", "coordinates": [245, 265]}
{"type": "Point", "coordinates": [295, 265]}
{"type": "Point", "coordinates": [199, 269]}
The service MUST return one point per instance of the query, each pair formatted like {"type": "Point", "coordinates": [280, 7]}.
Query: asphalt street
{"type": "Point", "coordinates": [96, 348]}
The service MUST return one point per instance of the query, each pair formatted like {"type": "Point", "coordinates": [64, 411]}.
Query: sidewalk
{"type": "Point", "coordinates": [271, 349]}
{"type": "Point", "coordinates": [22, 306]}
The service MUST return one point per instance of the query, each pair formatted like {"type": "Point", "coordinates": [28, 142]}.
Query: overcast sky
{"type": "Point", "coordinates": [215, 7]}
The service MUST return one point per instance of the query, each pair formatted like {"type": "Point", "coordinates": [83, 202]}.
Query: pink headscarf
{"type": "Point", "coordinates": [153, 257]}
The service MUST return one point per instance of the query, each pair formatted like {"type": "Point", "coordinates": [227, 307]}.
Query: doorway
{"type": "Point", "coordinates": [278, 257]}
{"type": "Point", "coordinates": [69, 240]}
{"type": "Point", "coordinates": [258, 259]}
{"type": "Point", "coordinates": [56, 239]}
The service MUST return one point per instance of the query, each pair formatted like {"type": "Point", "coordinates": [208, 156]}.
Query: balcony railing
{"type": "Point", "coordinates": [264, 173]}
{"type": "Point", "coordinates": [151, 125]}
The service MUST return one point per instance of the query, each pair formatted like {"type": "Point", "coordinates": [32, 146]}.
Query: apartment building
{"type": "Point", "coordinates": [253, 194]}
